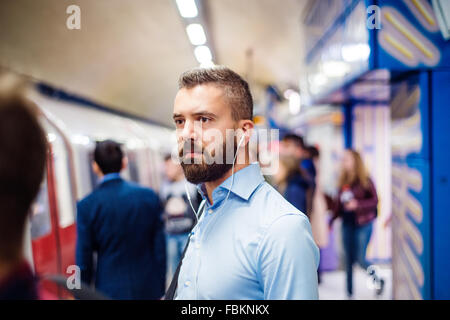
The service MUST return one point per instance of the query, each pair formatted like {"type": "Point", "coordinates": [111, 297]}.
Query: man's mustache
{"type": "Point", "coordinates": [191, 146]}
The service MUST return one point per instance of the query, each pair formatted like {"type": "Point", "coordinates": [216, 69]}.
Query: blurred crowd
{"type": "Point", "coordinates": [138, 236]}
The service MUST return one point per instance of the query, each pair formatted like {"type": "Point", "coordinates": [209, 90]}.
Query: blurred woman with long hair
{"type": "Point", "coordinates": [356, 204]}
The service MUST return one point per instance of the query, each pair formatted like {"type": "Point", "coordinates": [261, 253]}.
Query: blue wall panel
{"type": "Point", "coordinates": [441, 188]}
{"type": "Point", "coordinates": [410, 37]}
{"type": "Point", "coordinates": [412, 245]}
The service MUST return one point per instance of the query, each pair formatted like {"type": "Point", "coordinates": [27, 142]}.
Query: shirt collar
{"type": "Point", "coordinates": [245, 182]}
{"type": "Point", "coordinates": [110, 176]}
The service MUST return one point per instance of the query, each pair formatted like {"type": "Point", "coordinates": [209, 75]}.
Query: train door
{"type": "Point", "coordinates": [53, 229]}
{"type": "Point", "coordinates": [65, 194]}
{"type": "Point", "coordinates": [44, 238]}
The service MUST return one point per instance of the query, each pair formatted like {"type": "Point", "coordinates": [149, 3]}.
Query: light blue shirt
{"type": "Point", "coordinates": [256, 246]}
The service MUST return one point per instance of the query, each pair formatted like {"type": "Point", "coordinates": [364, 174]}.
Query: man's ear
{"type": "Point", "coordinates": [124, 163]}
{"type": "Point", "coordinates": [96, 169]}
{"type": "Point", "coordinates": [247, 127]}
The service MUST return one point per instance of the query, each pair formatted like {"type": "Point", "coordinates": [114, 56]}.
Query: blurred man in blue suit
{"type": "Point", "coordinates": [122, 223]}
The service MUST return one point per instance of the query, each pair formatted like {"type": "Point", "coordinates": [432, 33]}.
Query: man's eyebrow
{"type": "Point", "coordinates": [199, 113]}
{"type": "Point", "coordinates": [205, 113]}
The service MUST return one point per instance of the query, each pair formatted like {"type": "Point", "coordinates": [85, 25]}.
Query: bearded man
{"type": "Point", "coordinates": [249, 242]}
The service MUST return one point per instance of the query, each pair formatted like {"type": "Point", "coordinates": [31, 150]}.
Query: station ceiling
{"type": "Point", "coordinates": [128, 54]}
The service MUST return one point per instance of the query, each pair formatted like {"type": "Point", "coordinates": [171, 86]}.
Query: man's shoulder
{"type": "Point", "coordinates": [272, 205]}
{"type": "Point", "coordinates": [88, 199]}
{"type": "Point", "coordinates": [139, 190]}
{"type": "Point", "coordinates": [126, 188]}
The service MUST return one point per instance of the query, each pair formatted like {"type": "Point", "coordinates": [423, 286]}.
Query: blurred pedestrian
{"type": "Point", "coordinates": [293, 183]}
{"type": "Point", "coordinates": [120, 222]}
{"type": "Point", "coordinates": [23, 149]}
{"type": "Point", "coordinates": [293, 145]}
{"type": "Point", "coordinates": [356, 204]}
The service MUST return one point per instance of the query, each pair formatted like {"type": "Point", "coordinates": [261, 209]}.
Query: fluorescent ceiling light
{"type": "Point", "coordinates": [187, 8]}
{"type": "Point", "coordinates": [288, 93]}
{"type": "Point", "coordinates": [203, 54]}
{"type": "Point", "coordinates": [294, 102]}
{"type": "Point", "coordinates": [335, 69]}
{"type": "Point", "coordinates": [355, 52]}
{"type": "Point", "coordinates": [196, 34]}
{"type": "Point", "coordinates": [317, 79]}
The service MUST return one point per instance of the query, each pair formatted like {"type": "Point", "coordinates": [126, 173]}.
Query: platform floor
{"type": "Point", "coordinates": [332, 286]}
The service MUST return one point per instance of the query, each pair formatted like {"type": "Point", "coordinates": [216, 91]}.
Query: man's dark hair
{"type": "Point", "coordinates": [296, 139]}
{"type": "Point", "coordinates": [235, 88]}
{"type": "Point", "coordinates": [313, 151]}
{"type": "Point", "coordinates": [23, 149]}
{"type": "Point", "coordinates": [108, 155]}
{"type": "Point", "coordinates": [167, 157]}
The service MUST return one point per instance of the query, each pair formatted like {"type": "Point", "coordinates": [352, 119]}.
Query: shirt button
{"type": "Point", "coordinates": [210, 211]}
{"type": "Point", "coordinates": [187, 283]}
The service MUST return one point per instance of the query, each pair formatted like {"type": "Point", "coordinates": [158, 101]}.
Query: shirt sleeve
{"type": "Point", "coordinates": [288, 259]}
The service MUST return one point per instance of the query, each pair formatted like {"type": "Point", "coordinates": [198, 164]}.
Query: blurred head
{"type": "Point", "coordinates": [293, 145]}
{"type": "Point", "coordinates": [173, 170]}
{"type": "Point", "coordinates": [353, 169]}
{"type": "Point", "coordinates": [212, 110]}
{"type": "Point", "coordinates": [108, 158]}
{"type": "Point", "coordinates": [23, 148]}
{"type": "Point", "coordinates": [313, 152]}
{"type": "Point", "coordinates": [289, 166]}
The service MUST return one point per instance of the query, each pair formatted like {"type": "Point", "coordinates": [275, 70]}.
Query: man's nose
{"type": "Point", "coordinates": [192, 130]}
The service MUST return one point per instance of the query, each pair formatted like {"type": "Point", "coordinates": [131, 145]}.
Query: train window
{"type": "Point", "coordinates": [40, 214]}
{"type": "Point", "coordinates": [81, 154]}
{"type": "Point", "coordinates": [66, 200]}
{"type": "Point", "coordinates": [132, 166]}
{"type": "Point", "coordinates": [62, 166]}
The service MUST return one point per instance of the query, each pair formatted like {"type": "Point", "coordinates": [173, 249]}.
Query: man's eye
{"type": "Point", "coordinates": [204, 119]}
{"type": "Point", "coordinates": [178, 122]}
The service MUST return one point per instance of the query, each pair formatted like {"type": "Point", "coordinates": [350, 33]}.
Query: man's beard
{"type": "Point", "coordinates": [207, 170]}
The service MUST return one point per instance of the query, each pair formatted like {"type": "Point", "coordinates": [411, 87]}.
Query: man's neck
{"type": "Point", "coordinates": [212, 185]}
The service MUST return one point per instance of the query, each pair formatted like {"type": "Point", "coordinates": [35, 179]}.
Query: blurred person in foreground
{"type": "Point", "coordinates": [179, 217]}
{"type": "Point", "coordinates": [121, 222]}
{"type": "Point", "coordinates": [356, 204]}
{"type": "Point", "coordinates": [23, 148]}
{"type": "Point", "coordinates": [249, 242]}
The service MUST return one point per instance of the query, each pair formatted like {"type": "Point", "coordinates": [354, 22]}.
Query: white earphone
{"type": "Point", "coordinates": [240, 141]}
{"type": "Point", "coordinates": [232, 181]}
